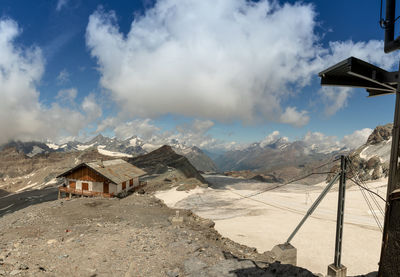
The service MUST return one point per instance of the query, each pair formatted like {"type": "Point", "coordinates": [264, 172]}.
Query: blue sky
{"type": "Point", "coordinates": [205, 72]}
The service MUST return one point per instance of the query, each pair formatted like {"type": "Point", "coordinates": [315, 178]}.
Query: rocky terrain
{"type": "Point", "coordinates": [371, 160]}
{"type": "Point", "coordinates": [134, 236]}
{"type": "Point", "coordinates": [20, 172]}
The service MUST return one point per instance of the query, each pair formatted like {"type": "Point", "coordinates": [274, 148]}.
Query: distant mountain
{"type": "Point", "coordinates": [160, 159]}
{"type": "Point", "coordinates": [197, 158]}
{"type": "Point", "coordinates": [29, 149]}
{"type": "Point", "coordinates": [278, 153]}
{"type": "Point", "coordinates": [131, 147]}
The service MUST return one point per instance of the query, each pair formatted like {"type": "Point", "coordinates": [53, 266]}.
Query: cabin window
{"type": "Point", "coordinates": [72, 184]}
{"type": "Point", "coordinates": [123, 185]}
{"type": "Point", "coordinates": [131, 182]}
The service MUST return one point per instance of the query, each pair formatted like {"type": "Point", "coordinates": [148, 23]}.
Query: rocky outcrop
{"type": "Point", "coordinates": [371, 160]}
{"type": "Point", "coordinates": [198, 159]}
{"type": "Point", "coordinates": [17, 170]}
{"type": "Point", "coordinates": [164, 157]}
{"type": "Point", "coordinates": [380, 134]}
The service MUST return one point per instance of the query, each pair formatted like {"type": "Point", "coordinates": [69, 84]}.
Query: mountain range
{"type": "Point", "coordinates": [263, 157]}
{"type": "Point", "coordinates": [275, 154]}
{"type": "Point", "coordinates": [113, 147]}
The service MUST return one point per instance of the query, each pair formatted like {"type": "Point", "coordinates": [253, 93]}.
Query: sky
{"type": "Point", "coordinates": [218, 74]}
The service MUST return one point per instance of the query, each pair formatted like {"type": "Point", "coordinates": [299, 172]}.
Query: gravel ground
{"type": "Point", "coordinates": [133, 236]}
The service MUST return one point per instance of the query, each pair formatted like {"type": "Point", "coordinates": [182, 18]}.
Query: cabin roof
{"type": "Point", "coordinates": [117, 171]}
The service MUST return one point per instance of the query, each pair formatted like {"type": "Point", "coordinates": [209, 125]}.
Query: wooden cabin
{"type": "Point", "coordinates": [101, 178]}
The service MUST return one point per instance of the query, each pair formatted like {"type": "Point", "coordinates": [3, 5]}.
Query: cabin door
{"type": "Point", "coordinates": [105, 187]}
{"type": "Point", "coordinates": [85, 186]}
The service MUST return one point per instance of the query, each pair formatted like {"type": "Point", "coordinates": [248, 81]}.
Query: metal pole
{"type": "Point", "coordinates": [313, 207]}
{"type": "Point", "coordinates": [394, 154]}
{"type": "Point", "coordinates": [340, 212]}
{"type": "Point", "coordinates": [391, 44]}
{"type": "Point", "coordinates": [387, 249]}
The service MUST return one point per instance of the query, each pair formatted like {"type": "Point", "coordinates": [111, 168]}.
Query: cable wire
{"type": "Point", "coordinates": [365, 186]}
{"type": "Point", "coordinates": [371, 194]}
{"type": "Point", "coordinates": [293, 180]}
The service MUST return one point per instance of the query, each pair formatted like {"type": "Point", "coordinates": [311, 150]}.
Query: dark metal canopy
{"type": "Point", "coordinates": [354, 72]}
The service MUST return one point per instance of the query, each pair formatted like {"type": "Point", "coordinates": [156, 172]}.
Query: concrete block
{"type": "Point", "coordinates": [285, 253]}
{"type": "Point", "coordinates": [334, 271]}
{"type": "Point", "coordinates": [177, 219]}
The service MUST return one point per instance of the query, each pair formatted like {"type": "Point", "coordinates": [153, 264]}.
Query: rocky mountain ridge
{"type": "Point", "coordinates": [278, 153]}
{"type": "Point", "coordinates": [131, 147]}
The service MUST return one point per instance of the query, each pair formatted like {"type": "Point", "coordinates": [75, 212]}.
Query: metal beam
{"type": "Point", "coordinates": [313, 207]}
{"type": "Point", "coordinates": [340, 212]}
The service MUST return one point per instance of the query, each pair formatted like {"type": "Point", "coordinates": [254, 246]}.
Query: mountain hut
{"type": "Point", "coordinates": [101, 178]}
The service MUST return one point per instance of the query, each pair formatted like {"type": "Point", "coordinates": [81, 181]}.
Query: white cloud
{"type": "Point", "coordinates": [274, 136]}
{"type": "Point", "coordinates": [357, 138]}
{"type": "Point", "coordinates": [335, 98]}
{"type": "Point", "coordinates": [321, 142]}
{"type": "Point", "coordinates": [142, 128]}
{"type": "Point", "coordinates": [63, 76]}
{"type": "Point", "coordinates": [292, 116]}
{"type": "Point", "coordinates": [67, 95]}
{"type": "Point", "coordinates": [91, 108]}
{"type": "Point", "coordinates": [61, 4]}
{"type": "Point", "coordinates": [221, 60]}
{"type": "Point", "coordinates": [317, 140]}
{"type": "Point", "coordinates": [22, 116]}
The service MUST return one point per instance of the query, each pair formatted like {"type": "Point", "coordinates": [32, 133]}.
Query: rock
{"type": "Point", "coordinates": [15, 272]}
{"type": "Point", "coordinates": [193, 265]}
{"type": "Point", "coordinates": [23, 267]}
{"type": "Point", "coordinates": [380, 134]}
{"type": "Point", "coordinates": [373, 162]}
{"type": "Point", "coordinates": [172, 273]}
{"type": "Point", "coordinates": [51, 241]}
{"type": "Point", "coordinates": [63, 256]}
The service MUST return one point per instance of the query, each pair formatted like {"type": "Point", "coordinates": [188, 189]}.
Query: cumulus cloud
{"type": "Point", "coordinates": [222, 60]}
{"type": "Point", "coordinates": [91, 108]}
{"type": "Point", "coordinates": [142, 128]}
{"type": "Point", "coordinates": [22, 116]}
{"type": "Point", "coordinates": [63, 76]}
{"type": "Point", "coordinates": [324, 143]}
{"type": "Point", "coordinates": [321, 142]}
{"type": "Point", "coordinates": [357, 138]}
{"type": "Point", "coordinates": [292, 116]}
